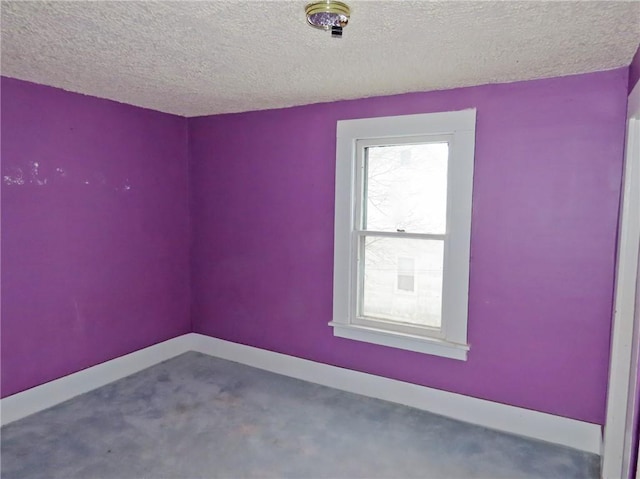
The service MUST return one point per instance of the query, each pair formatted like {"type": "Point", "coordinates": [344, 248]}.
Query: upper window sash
{"type": "Point", "coordinates": [361, 146]}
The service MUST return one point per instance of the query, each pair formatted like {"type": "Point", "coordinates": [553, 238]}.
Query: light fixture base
{"type": "Point", "coordinates": [328, 15]}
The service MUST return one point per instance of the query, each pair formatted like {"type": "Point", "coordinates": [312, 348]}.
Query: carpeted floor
{"type": "Point", "coordinates": [195, 416]}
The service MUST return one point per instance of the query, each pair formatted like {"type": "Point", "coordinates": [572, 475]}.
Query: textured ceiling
{"type": "Point", "coordinates": [198, 58]}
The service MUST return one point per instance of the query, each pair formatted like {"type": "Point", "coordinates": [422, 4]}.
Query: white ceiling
{"type": "Point", "coordinates": [204, 57]}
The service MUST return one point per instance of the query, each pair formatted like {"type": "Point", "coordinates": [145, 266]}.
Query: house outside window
{"type": "Point", "coordinates": [402, 231]}
{"type": "Point", "coordinates": [406, 275]}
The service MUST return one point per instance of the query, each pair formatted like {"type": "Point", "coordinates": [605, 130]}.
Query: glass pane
{"type": "Point", "coordinates": [402, 280]}
{"type": "Point", "coordinates": [406, 188]}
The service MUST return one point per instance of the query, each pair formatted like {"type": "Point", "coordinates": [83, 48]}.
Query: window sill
{"type": "Point", "coordinates": [409, 342]}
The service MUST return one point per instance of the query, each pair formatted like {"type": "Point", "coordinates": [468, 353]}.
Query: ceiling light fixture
{"type": "Point", "coordinates": [328, 15]}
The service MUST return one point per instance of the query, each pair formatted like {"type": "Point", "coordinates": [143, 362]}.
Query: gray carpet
{"type": "Point", "coordinates": [195, 416]}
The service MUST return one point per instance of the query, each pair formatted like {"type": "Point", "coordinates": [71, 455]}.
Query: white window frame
{"type": "Point", "coordinates": [458, 127]}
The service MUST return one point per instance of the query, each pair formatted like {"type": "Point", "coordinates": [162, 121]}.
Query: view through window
{"type": "Point", "coordinates": [403, 218]}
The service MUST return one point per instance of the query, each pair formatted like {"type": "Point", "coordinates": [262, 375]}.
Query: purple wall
{"type": "Point", "coordinates": [547, 182]}
{"type": "Point", "coordinates": [95, 231]}
{"type": "Point", "coordinates": [634, 70]}
{"type": "Point", "coordinates": [95, 241]}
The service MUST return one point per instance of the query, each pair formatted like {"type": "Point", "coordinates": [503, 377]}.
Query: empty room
{"type": "Point", "coordinates": [360, 239]}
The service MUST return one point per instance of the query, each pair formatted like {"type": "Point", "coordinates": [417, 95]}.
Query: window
{"type": "Point", "coordinates": [402, 231]}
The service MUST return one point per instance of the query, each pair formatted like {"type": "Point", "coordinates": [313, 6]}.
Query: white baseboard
{"type": "Point", "coordinates": [523, 422]}
{"type": "Point", "coordinates": [55, 392]}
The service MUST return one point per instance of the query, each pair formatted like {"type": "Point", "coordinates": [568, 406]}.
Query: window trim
{"type": "Point", "coordinates": [459, 128]}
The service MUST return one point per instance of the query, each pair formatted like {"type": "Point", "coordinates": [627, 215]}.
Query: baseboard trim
{"type": "Point", "coordinates": [55, 392]}
{"type": "Point", "coordinates": [524, 422]}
